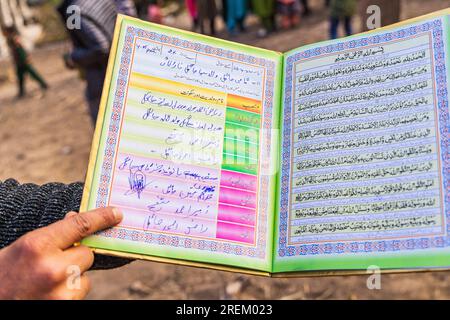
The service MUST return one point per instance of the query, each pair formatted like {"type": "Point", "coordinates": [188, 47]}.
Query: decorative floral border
{"type": "Point", "coordinates": [373, 245]}
{"type": "Point", "coordinates": [113, 133]}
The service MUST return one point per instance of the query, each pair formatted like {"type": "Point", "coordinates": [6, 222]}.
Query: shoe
{"type": "Point", "coordinates": [262, 33]}
{"type": "Point", "coordinates": [41, 94]}
{"type": "Point", "coordinates": [20, 96]}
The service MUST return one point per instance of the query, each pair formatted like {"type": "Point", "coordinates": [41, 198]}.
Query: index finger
{"type": "Point", "coordinates": [74, 228]}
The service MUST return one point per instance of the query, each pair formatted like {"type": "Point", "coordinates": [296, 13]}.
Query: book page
{"type": "Point", "coordinates": [365, 152]}
{"type": "Point", "coordinates": [185, 148]}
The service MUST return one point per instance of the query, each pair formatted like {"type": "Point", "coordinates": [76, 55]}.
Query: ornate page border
{"type": "Point", "coordinates": [435, 27]}
{"type": "Point", "coordinates": [102, 198]}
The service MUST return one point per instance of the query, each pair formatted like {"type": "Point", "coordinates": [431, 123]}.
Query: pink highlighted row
{"type": "Point", "coordinates": [236, 215]}
{"type": "Point", "coordinates": [237, 197]}
{"type": "Point", "coordinates": [234, 232]}
{"type": "Point", "coordinates": [238, 180]}
{"type": "Point", "coordinates": [237, 207]}
{"type": "Point", "coordinates": [188, 226]}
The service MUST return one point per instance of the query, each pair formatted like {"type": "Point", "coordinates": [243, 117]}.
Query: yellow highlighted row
{"type": "Point", "coordinates": [151, 83]}
{"type": "Point", "coordinates": [243, 103]}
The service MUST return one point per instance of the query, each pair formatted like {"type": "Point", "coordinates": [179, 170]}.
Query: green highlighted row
{"type": "Point", "coordinates": [244, 118]}
{"type": "Point", "coordinates": [241, 141]}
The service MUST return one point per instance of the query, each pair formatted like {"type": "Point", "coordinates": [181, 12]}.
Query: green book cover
{"type": "Point", "coordinates": [331, 157]}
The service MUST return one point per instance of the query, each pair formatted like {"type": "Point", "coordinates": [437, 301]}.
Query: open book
{"type": "Point", "coordinates": [332, 157]}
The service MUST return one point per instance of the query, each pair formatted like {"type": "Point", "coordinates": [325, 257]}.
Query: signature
{"type": "Point", "coordinates": [137, 182]}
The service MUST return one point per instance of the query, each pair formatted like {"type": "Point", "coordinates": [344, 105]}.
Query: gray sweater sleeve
{"type": "Point", "coordinates": [25, 207]}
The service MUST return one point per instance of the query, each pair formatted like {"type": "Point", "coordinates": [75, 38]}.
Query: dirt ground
{"type": "Point", "coordinates": [49, 139]}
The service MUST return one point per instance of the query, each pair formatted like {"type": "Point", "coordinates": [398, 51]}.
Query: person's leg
{"type": "Point", "coordinates": [224, 10]}
{"type": "Point", "coordinates": [94, 104]}
{"type": "Point", "coordinates": [194, 24]}
{"type": "Point", "coordinates": [201, 21]}
{"type": "Point", "coordinates": [241, 24]}
{"type": "Point", "coordinates": [334, 24]}
{"type": "Point", "coordinates": [306, 10]}
{"type": "Point", "coordinates": [348, 26]}
{"type": "Point", "coordinates": [94, 78]}
{"type": "Point", "coordinates": [231, 16]}
{"type": "Point", "coordinates": [21, 81]}
{"type": "Point", "coordinates": [212, 25]}
{"type": "Point", "coordinates": [295, 14]}
{"type": "Point", "coordinates": [272, 9]}
{"type": "Point", "coordinates": [267, 23]}
{"type": "Point", "coordinates": [212, 13]}
{"type": "Point", "coordinates": [283, 11]}
{"type": "Point", "coordinates": [264, 10]}
{"type": "Point", "coordinates": [241, 7]}
{"type": "Point", "coordinates": [36, 76]}
{"type": "Point", "coordinates": [202, 12]}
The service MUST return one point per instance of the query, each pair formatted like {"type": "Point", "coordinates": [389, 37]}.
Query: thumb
{"type": "Point", "coordinates": [75, 227]}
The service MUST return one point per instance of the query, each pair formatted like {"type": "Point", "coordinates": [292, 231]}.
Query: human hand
{"type": "Point", "coordinates": [41, 264]}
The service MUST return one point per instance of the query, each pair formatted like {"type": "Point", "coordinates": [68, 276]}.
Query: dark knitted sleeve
{"type": "Point", "coordinates": [25, 207]}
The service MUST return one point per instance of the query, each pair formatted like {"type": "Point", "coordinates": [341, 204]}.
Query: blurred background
{"type": "Point", "coordinates": [46, 128]}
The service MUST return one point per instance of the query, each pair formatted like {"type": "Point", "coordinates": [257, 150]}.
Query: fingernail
{"type": "Point", "coordinates": [117, 214]}
{"type": "Point", "coordinates": [70, 214]}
